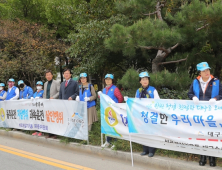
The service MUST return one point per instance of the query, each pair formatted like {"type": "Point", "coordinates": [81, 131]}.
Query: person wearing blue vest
{"type": "Point", "coordinates": [38, 94]}
{"type": "Point", "coordinates": [26, 92]}
{"type": "Point", "coordinates": [146, 91]}
{"type": "Point", "coordinates": [40, 91]}
{"type": "Point", "coordinates": [207, 88]}
{"type": "Point", "coordinates": [13, 92]}
{"type": "Point", "coordinates": [87, 93]}
{"type": "Point", "coordinates": [3, 93]}
{"type": "Point", "coordinates": [114, 93]}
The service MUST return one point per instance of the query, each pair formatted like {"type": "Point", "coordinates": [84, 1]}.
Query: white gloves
{"type": "Point", "coordinates": [86, 99]}
{"type": "Point", "coordinates": [125, 98]}
{"type": "Point", "coordinates": [31, 98]}
{"type": "Point", "coordinates": [212, 101]}
{"type": "Point", "coordinates": [195, 100]}
{"type": "Point", "coordinates": [77, 98]}
{"type": "Point", "coordinates": [99, 93]}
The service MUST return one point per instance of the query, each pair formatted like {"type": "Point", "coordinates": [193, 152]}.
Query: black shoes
{"type": "Point", "coordinates": [212, 161]}
{"type": "Point", "coordinates": [143, 153]}
{"type": "Point", "coordinates": [202, 161]}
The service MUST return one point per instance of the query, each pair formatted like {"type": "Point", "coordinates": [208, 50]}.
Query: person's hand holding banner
{"type": "Point", "coordinates": [195, 100]}
{"type": "Point", "coordinates": [212, 101]}
{"type": "Point", "coordinates": [77, 98]}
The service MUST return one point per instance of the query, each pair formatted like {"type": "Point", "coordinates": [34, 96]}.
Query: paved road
{"type": "Point", "coordinates": [18, 154]}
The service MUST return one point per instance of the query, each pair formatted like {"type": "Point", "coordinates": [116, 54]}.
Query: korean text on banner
{"type": "Point", "coordinates": [176, 125]}
{"type": "Point", "coordinates": [60, 117]}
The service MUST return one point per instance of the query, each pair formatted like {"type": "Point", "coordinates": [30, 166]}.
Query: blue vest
{"type": "Point", "coordinates": [89, 94]}
{"type": "Point", "coordinates": [26, 93]}
{"type": "Point", "coordinates": [2, 94]}
{"type": "Point", "coordinates": [215, 88]}
{"type": "Point", "coordinates": [11, 94]}
{"type": "Point", "coordinates": [111, 93]}
{"type": "Point", "coordinates": [150, 91]}
{"type": "Point", "coordinates": [38, 94]}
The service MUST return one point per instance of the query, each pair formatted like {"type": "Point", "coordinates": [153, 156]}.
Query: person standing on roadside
{"type": "Point", "coordinates": [51, 87]}
{"type": "Point", "coordinates": [69, 89]}
{"type": "Point", "coordinates": [13, 91]}
{"type": "Point", "coordinates": [3, 93]}
{"type": "Point", "coordinates": [26, 92]}
{"type": "Point", "coordinates": [205, 88]}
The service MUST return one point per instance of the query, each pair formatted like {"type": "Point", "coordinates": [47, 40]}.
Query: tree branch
{"type": "Point", "coordinates": [150, 13]}
{"type": "Point", "coordinates": [202, 27]}
{"type": "Point", "coordinates": [152, 47]}
{"type": "Point", "coordinates": [175, 46]}
{"type": "Point", "coordinates": [177, 61]}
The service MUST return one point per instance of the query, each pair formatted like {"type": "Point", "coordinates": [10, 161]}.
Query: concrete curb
{"type": "Point", "coordinates": [155, 162]}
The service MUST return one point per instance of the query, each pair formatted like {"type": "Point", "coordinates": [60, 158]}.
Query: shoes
{"type": "Point", "coordinates": [212, 161]}
{"type": "Point", "coordinates": [35, 134]}
{"type": "Point", "coordinates": [143, 153]}
{"type": "Point", "coordinates": [151, 155]}
{"type": "Point", "coordinates": [202, 161]}
{"type": "Point", "coordinates": [40, 134]}
{"type": "Point", "coordinates": [105, 145]}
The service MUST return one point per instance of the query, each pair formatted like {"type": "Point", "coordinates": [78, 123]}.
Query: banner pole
{"type": "Point", "coordinates": [101, 139]}
{"type": "Point", "coordinates": [131, 149]}
{"type": "Point", "coordinates": [87, 121]}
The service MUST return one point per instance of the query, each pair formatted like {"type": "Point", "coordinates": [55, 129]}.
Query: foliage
{"type": "Point", "coordinates": [27, 50]}
{"type": "Point", "coordinates": [169, 85]}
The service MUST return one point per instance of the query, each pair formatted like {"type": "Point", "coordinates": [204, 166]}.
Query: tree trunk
{"type": "Point", "coordinates": [60, 69]}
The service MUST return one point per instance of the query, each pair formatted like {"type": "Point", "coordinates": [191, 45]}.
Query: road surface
{"type": "Point", "coordinates": [16, 154]}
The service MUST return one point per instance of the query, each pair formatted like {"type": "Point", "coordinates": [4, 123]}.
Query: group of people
{"type": "Point", "coordinates": [205, 87]}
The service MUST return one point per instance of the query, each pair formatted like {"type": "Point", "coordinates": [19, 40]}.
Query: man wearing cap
{"type": "Point", "coordinates": [26, 92]}
{"type": "Point", "coordinates": [13, 92]}
{"type": "Point", "coordinates": [206, 88]}
{"type": "Point", "coordinates": [69, 89]}
{"type": "Point", "coordinates": [3, 93]}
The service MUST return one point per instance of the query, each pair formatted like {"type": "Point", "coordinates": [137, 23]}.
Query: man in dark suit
{"type": "Point", "coordinates": [69, 89]}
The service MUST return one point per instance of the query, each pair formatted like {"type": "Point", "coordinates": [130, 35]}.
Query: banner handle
{"type": "Point", "coordinates": [131, 149]}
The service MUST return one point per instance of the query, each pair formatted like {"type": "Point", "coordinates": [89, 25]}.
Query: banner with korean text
{"type": "Point", "coordinates": [60, 117]}
{"type": "Point", "coordinates": [178, 125]}
{"type": "Point", "coordinates": [113, 118]}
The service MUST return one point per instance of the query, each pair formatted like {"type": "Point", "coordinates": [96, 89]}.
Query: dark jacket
{"type": "Point", "coordinates": [208, 92]}
{"type": "Point", "coordinates": [71, 90]}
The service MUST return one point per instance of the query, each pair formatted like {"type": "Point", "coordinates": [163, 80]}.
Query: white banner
{"type": "Point", "coordinates": [113, 118]}
{"type": "Point", "coordinates": [60, 117]}
{"type": "Point", "coordinates": [177, 125]}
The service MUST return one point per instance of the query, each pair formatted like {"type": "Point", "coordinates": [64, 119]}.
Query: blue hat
{"type": "Point", "coordinates": [83, 75]}
{"type": "Point", "coordinates": [2, 84]}
{"type": "Point", "coordinates": [20, 82]}
{"type": "Point", "coordinates": [144, 74]}
{"type": "Point", "coordinates": [202, 66]}
{"type": "Point", "coordinates": [11, 79]}
{"type": "Point", "coordinates": [109, 76]}
{"type": "Point", "coordinates": [39, 83]}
